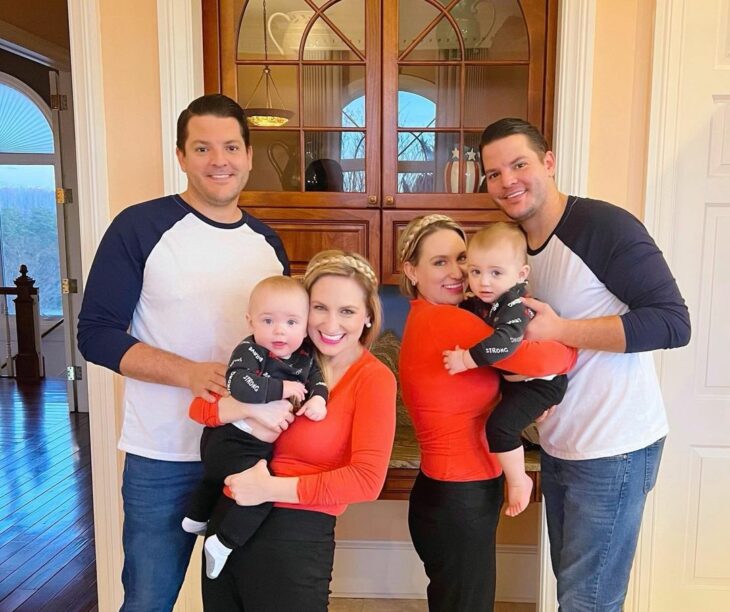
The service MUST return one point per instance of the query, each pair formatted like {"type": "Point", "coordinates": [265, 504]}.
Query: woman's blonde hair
{"type": "Point", "coordinates": [409, 243]}
{"type": "Point", "coordinates": [350, 265]}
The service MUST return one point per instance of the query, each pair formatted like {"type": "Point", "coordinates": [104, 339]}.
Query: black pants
{"type": "Point", "coordinates": [453, 526]}
{"type": "Point", "coordinates": [286, 565]}
{"type": "Point", "coordinates": [521, 403]}
{"type": "Point", "coordinates": [227, 450]}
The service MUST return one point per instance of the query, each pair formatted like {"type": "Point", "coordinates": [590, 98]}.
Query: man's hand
{"type": "Point", "coordinates": [546, 324]}
{"type": "Point", "coordinates": [315, 409]}
{"type": "Point", "coordinates": [248, 488]}
{"type": "Point", "coordinates": [275, 415]}
{"type": "Point", "coordinates": [206, 376]}
{"type": "Point", "coordinates": [294, 389]}
{"type": "Point", "coordinates": [545, 414]}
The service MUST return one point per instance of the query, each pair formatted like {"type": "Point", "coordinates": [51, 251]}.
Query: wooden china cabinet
{"type": "Point", "coordinates": [386, 101]}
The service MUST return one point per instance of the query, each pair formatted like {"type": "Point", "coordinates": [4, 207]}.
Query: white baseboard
{"type": "Point", "coordinates": [392, 569]}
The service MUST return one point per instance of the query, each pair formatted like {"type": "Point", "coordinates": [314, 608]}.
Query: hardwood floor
{"type": "Point", "coordinates": [46, 522]}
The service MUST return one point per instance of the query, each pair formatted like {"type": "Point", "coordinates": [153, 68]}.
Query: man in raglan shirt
{"type": "Point", "coordinates": [617, 300]}
{"type": "Point", "coordinates": [164, 306]}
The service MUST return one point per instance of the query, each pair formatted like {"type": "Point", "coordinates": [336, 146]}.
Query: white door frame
{"type": "Point", "coordinates": [659, 204]}
{"type": "Point", "coordinates": [93, 198]}
{"type": "Point", "coordinates": [179, 23]}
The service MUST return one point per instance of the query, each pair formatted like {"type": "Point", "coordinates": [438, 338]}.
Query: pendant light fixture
{"type": "Point", "coordinates": [267, 116]}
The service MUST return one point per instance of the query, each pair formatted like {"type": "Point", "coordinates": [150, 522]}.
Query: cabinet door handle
{"type": "Point", "coordinates": [389, 201]}
{"type": "Point", "coordinates": [372, 200]}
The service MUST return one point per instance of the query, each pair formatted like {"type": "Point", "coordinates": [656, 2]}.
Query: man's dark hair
{"type": "Point", "coordinates": [217, 105]}
{"type": "Point", "coordinates": [509, 126]}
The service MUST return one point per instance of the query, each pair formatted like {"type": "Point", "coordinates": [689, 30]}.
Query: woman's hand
{"type": "Point", "coordinates": [514, 377]}
{"type": "Point", "coordinates": [274, 416]}
{"type": "Point", "coordinates": [249, 488]}
{"type": "Point", "coordinates": [255, 486]}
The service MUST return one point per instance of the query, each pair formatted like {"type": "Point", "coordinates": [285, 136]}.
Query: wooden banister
{"type": "Point", "coordinates": [28, 359]}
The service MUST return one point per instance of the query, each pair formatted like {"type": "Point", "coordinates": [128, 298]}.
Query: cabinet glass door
{"type": "Point", "coordinates": [451, 67]}
{"type": "Point", "coordinates": [318, 62]}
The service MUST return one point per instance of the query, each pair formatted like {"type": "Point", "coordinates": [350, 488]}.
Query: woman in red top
{"type": "Point", "coordinates": [455, 502]}
{"type": "Point", "coordinates": [319, 467]}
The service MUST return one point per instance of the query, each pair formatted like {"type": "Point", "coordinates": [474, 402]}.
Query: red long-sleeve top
{"type": "Point", "coordinates": [449, 412]}
{"type": "Point", "coordinates": [344, 458]}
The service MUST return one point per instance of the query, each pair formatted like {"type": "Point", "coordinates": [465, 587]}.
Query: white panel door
{"type": "Point", "coordinates": [685, 563]}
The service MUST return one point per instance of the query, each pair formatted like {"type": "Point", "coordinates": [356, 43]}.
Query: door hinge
{"type": "Point", "coordinates": [73, 373]}
{"type": "Point", "coordinates": [64, 196]}
{"type": "Point", "coordinates": [59, 102]}
{"type": "Point", "coordinates": [69, 285]}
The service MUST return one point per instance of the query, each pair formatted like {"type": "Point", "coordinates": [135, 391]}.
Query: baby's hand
{"type": "Point", "coordinates": [294, 389]}
{"type": "Point", "coordinates": [315, 409]}
{"type": "Point", "coordinates": [454, 361]}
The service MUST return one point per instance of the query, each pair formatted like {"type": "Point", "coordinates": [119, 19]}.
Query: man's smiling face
{"type": "Point", "coordinates": [517, 178]}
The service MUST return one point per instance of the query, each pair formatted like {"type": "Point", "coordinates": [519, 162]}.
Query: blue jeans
{"type": "Point", "coordinates": [156, 549]}
{"type": "Point", "coordinates": [594, 509]}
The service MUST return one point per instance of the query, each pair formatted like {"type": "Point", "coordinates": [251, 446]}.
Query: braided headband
{"type": "Point", "coordinates": [419, 227]}
{"type": "Point", "coordinates": [348, 260]}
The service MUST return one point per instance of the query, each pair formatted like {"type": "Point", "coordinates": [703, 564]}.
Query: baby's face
{"type": "Point", "coordinates": [494, 269]}
{"type": "Point", "coordinates": [278, 320]}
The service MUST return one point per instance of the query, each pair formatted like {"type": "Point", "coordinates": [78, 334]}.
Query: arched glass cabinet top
{"type": "Point", "coordinates": [317, 54]}
{"type": "Point", "coordinates": [471, 60]}
{"type": "Point", "coordinates": [348, 88]}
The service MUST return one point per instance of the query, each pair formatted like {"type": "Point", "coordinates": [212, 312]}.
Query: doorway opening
{"type": "Point", "coordinates": [37, 228]}
{"type": "Point", "coordinates": [28, 228]}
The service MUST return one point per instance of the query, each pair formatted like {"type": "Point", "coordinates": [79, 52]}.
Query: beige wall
{"type": "Point", "coordinates": [46, 19]}
{"type": "Point", "coordinates": [620, 111]}
{"type": "Point", "coordinates": [131, 101]}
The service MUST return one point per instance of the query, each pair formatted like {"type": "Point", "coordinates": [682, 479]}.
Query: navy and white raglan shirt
{"type": "Point", "coordinates": [167, 276]}
{"type": "Point", "coordinates": [600, 261]}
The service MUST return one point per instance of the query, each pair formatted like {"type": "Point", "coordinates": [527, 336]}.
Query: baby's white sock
{"type": "Point", "coordinates": [196, 527]}
{"type": "Point", "coordinates": [216, 556]}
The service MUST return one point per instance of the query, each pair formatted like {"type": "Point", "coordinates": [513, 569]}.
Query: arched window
{"type": "Point", "coordinates": [28, 230]}
{"type": "Point", "coordinates": [413, 109]}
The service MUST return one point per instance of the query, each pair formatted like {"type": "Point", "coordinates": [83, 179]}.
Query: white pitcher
{"type": "Point", "coordinates": [319, 38]}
